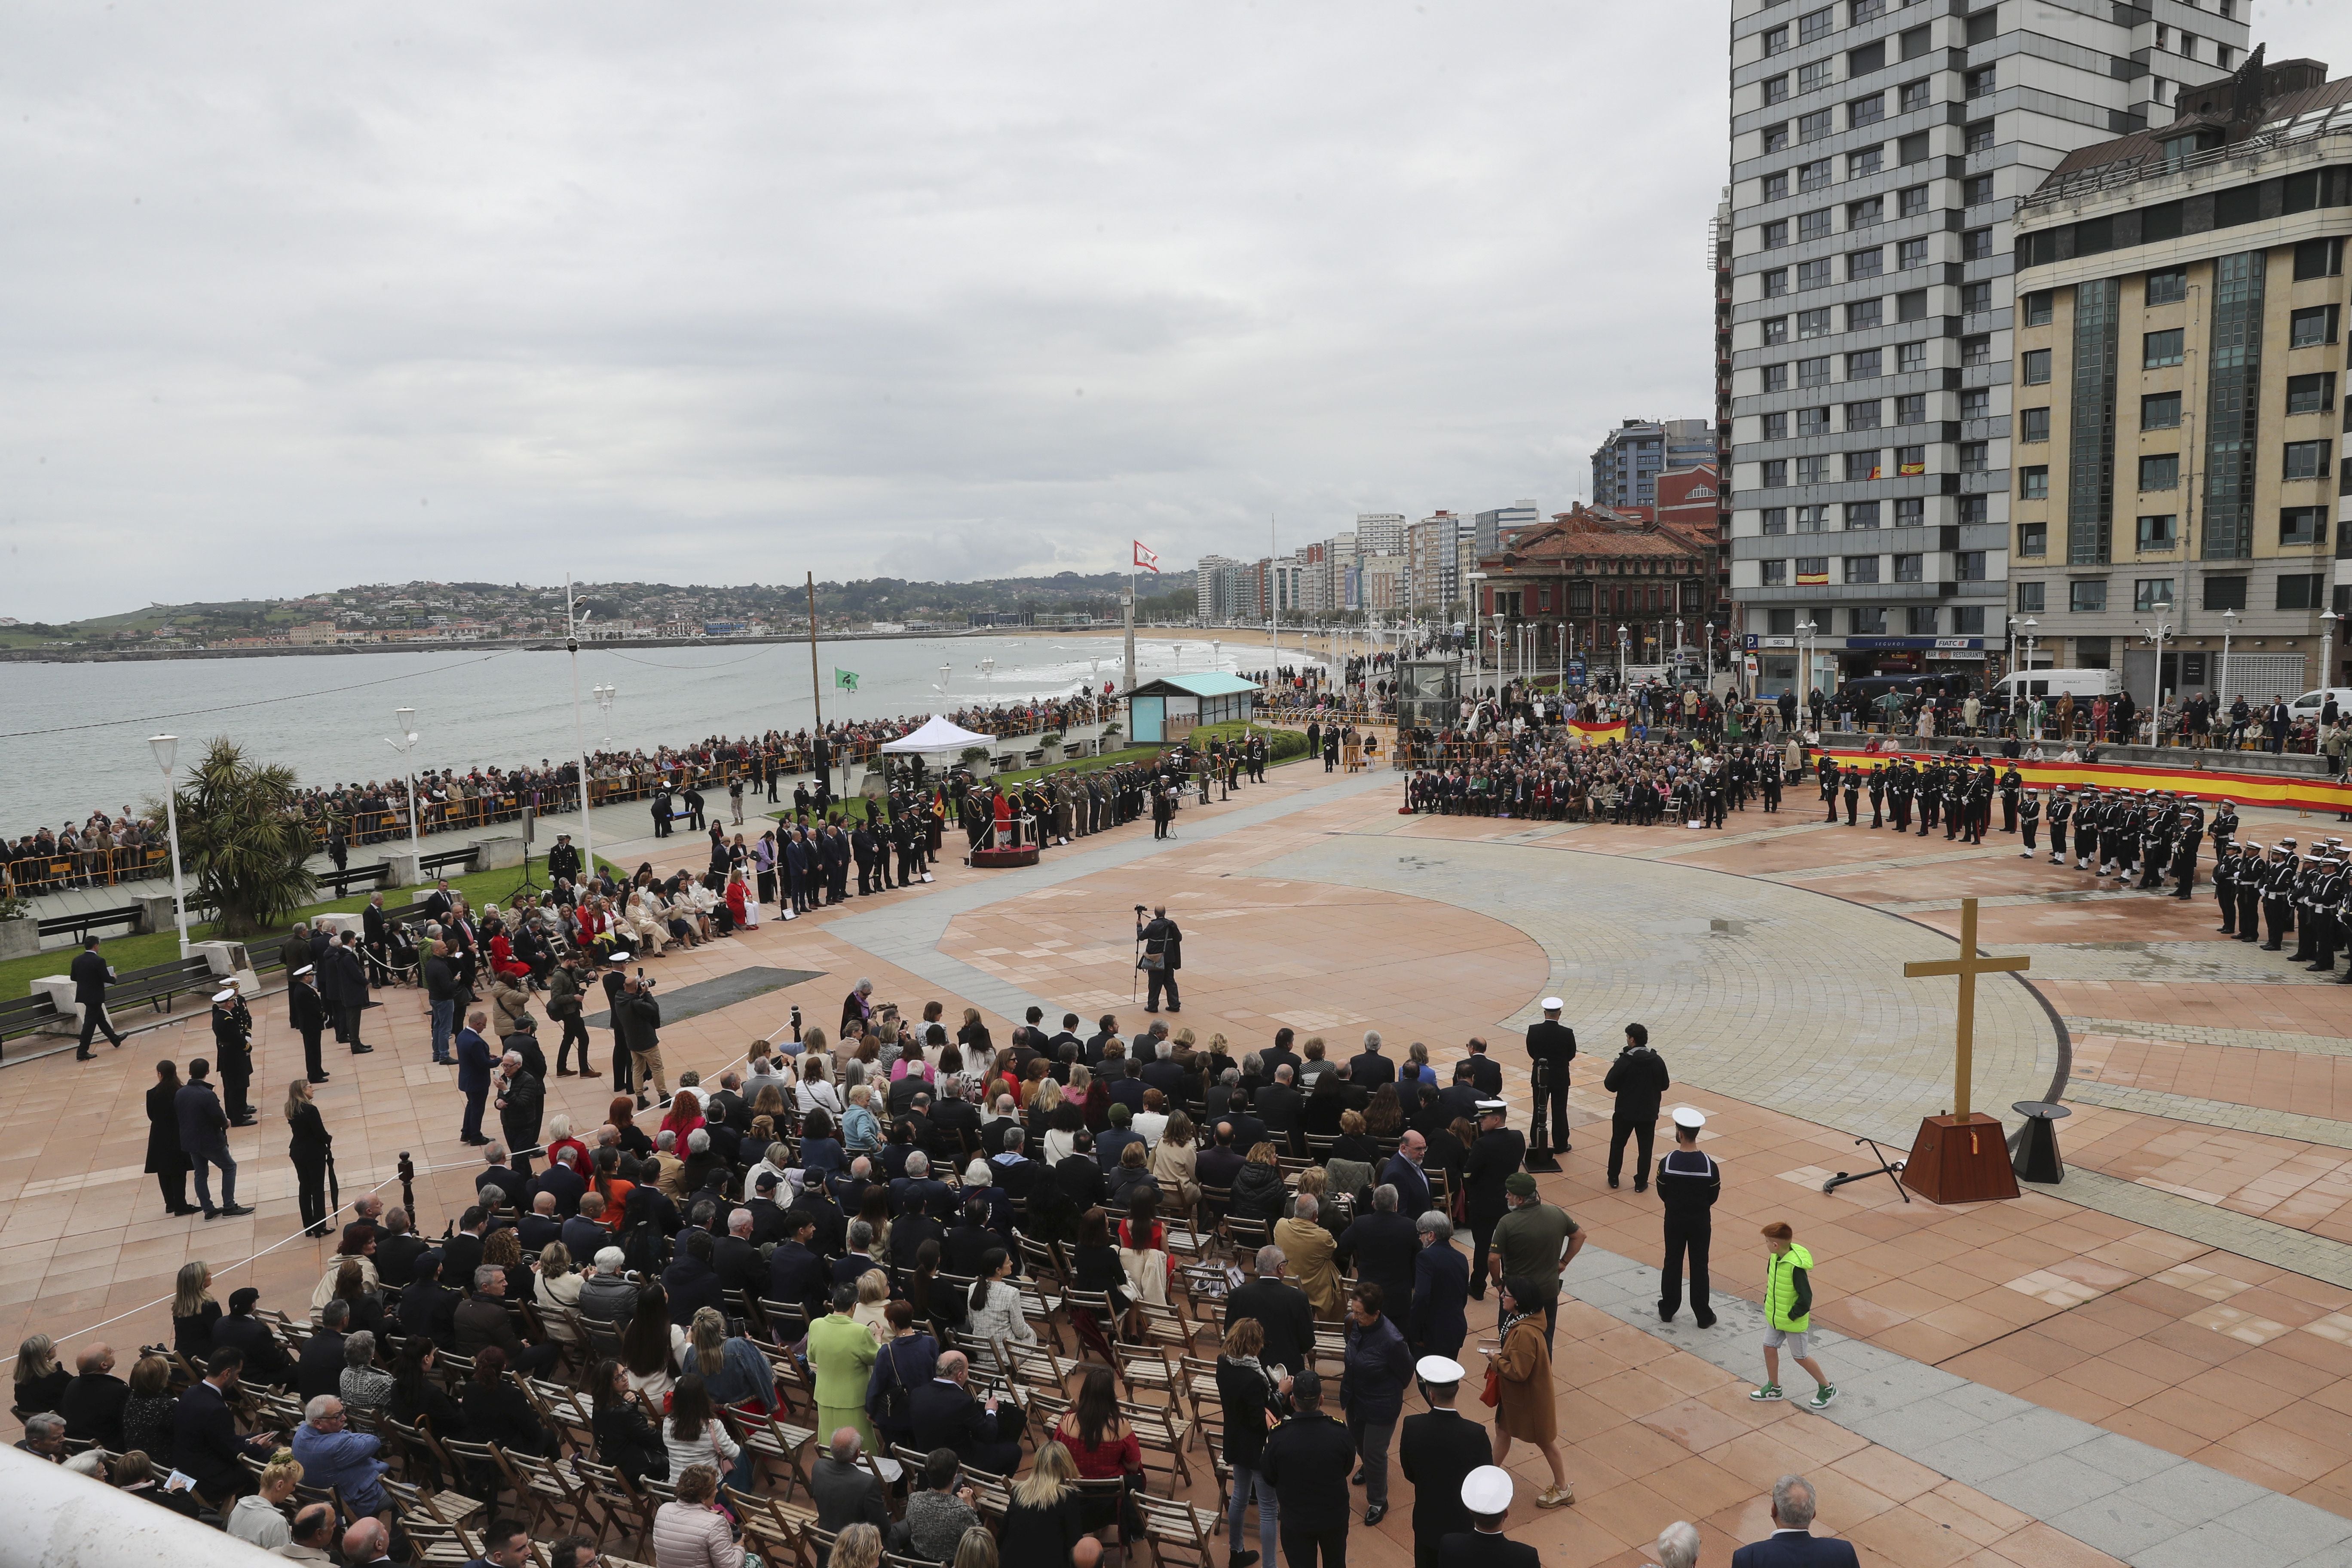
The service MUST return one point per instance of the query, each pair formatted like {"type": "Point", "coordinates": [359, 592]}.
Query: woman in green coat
{"type": "Point", "coordinates": [841, 1352]}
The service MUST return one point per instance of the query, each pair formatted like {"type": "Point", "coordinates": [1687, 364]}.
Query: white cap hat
{"type": "Point", "coordinates": [620, 957]}
{"type": "Point", "coordinates": [1689, 1116]}
{"type": "Point", "coordinates": [1488, 1489]}
{"type": "Point", "coordinates": [226, 995]}
{"type": "Point", "coordinates": [1493, 1108]}
{"type": "Point", "coordinates": [304, 970]}
{"type": "Point", "coordinates": [1553, 1003]}
{"type": "Point", "coordinates": [1439, 1369]}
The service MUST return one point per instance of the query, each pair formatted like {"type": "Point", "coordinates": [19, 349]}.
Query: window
{"type": "Point", "coordinates": [1864, 314]}
{"type": "Point", "coordinates": [2035, 367]}
{"type": "Point", "coordinates": [1775, 473]}
{"type": "Point", "coordinates": [1976, 403]}
{"type": "Point", "coordinates": [2151, 594]}
{"type": "Point", "coordinates": [1813, 422]}
{"type": "Point", "coordinates": [1862, 416]}
{"type": "Point", "coordinates": [1813, 273]}
{"type": "Point", "coordinates": [1781, 623]}
{"type": "Point", "coordinates": [1776, 187]}
{"type": "Point", "coordinates": [1816, 25]}
{"type": "Point", "coordinates": [1911, 307]}
{"type": "Point", "coordinates": [1968, 620]}
{"type": "Point", "coordinates": [1860, 466]}
{"type": "Point", "coordinates": [2314, 394]}
{"type": "Point", "coordinates": [1869, 621]}
{"type": "Point", "coordinates": [1776, 234]}
{"type": "Point", "coordinates": [2161, 349]}
{"type": "Point", "coordinates": [1918, 95]}
{"type": "Point", "coordinates": [1910, 568]}
{"type": "Point", "coordinates": [1776, 137]}
{"type": "Point", "coordinates": [1814, 324]}
{"type": "Point", "coordinates": [2038, 308]}
{"type": "Point", "coordinates": [1968, 565]}
{"type": "Point", "coordinates": [2310, 327]}
{"type": "Point", "coordinates": [1976, 298]}
{"type": "Point", "coordinates": [1776, 378]}
{"type": "Point", "coordinates": [1776, 282]}
{"type": "Point", "coordinates": [1976, 457]}
{"type": "Point", "coordinates": [1809, 518]}
{"type": "Point", "coordinates": [2157, 534]}
{"type": "Point", "coordinates": [1909, 357]}
{"type": "Point", "coordinates": [2305, 460]}
{"type": "Point", "coordinates": [1776, 520]}
{"type": "Point", "coordinates": [2033, 425]}
{"type": "Point", "coordinates": [2033, 483]}
{"type": "Point", "coordinates": [1813, 225]}
{"type": "Point", "coordinates": [1917, 42]}
{"type": "Point", "coordinates": [2087, 596]}
{"type": "Point", "coordinates": [2029, 597]}
{"type": "Point", "coordinates": [1865, 264]}
{"type": "Point", "coordinates": [1861, 568]}
{"type": "Point", "coordinates": [1814, 175]}
{"type": "Point", "coordinates": [2319, 258]}
{"type": "Point", "coordinates": [1813, 470]}
{"type": "Point", "coordinates": [2033, 539]}
{"type": "Point", "coordinates": [1776, 90]}
{"type": "Point", "coordinates": [2225, 593]}
{"type": "Point", "coordinates": [1910, 512]}
{"type": "Point", "coordinates": [1814, 126]}
{"type": "Point", "coordinates": [2303, 525]}
{"type": "Point", "coordinates": [2299, 591]}
{"type": "Point", "coordinates": [1775, 40]}
{"type": "Point", "coordinates": [2162, 472]}
{"type": "Point", "coordinates": [1813, 372]}
{"type": "Point", "coordinates": [1812, 568]}
{"type": "Point", "coordinates": [1868, 58]}
{"type": "Point", "coordinates": [1974, 508]}
{"type": "Point", "coordinates": [1816, 73]}
{"type": "Point", "coordinates": [1864, 111]}
{"type": "Point", "coordinates": [1911, 201]}
{"type": "Point", "coordinates": [1862, 364]}
{"type": "Point", "coordinates": [1981, 81]}
{"type": "Point", "coordinates": [1978, 138]}
{"type": "Point", "coordinates": [1867, 11]}
{"type": "Point", "coordinates": [2160, 411]}
{"type": "Point", "coordinates": [1860, 514]}
{"type": "Point", "coordinates": [2167, 288]}
{"type": "Point", "coordinates": [1910, 461]}
{"type": "Point", "coordinates": [1775, 331]}
{"type": "Point", "coordinates": [1911, 253]}
{"type": "Point", "coordinates": [1865, 214]}
{"type": "Point", "coordinates": [1775, 573]}
{"type": "Point", "coordinates": [1912, 149]}
{"type": "Point", "coordinates": [1911, 409]}
{"type": "Point", "coordinates": [1776, 427]}
{"type": "Point", "coordinates": [1862, 165]}
{"type": "Point", "coordinates": [1977, 190]}
{"type": "Point", "coordinates": [1975, 244]}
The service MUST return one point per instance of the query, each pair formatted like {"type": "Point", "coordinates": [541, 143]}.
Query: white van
{"type": "Point", "coordinates": [2053, 684]}
{"type": "Point", "coordinates": [2308, 705]}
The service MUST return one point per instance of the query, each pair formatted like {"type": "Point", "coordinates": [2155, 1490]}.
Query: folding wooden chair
{"type": "Point", "coordinates": [1178, 1529]}
{"type": "Point", "coordinates": [1093, 1322]}
{"type": "Point", "coordinates": [626, 1509]}
{"type": "Point", "coordinates": [433, 1541]}
{"type": "Point", "coordinates": [1159, 1429]}
{"type": "Point", "coordinates": [544, 1484]}
{"type": "Point", "coordinates": [774, 1529]}
{"type": "Point", "coordinates": [772, 1441]}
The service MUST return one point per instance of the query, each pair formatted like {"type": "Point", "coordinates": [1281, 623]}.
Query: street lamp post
{"type": "Point", "coordinates": [406, 718]}
{"type": "Point", "coordinates": [1805, 630]}
{"type": "Point", "coordinates": [2156, 635]}
{"type": "Point", "coordinates": [2228, 624]}
{"type": "Point", "coordinates": [2327, 620]}
{"type": "Point", "coordinates": [1622, 635]}
{"type": "Point", "coordinates": [572, 624]}
{"type": "Point", "coordinates": [604, 696]}
{"type": "Point", "coordinates": [166, 748]}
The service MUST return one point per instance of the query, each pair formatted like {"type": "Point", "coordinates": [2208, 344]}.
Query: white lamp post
{"type": "Point", "coordinates": [2156, 635]}
{"type": "Point", "coordinates": [1805, 630]}
{"type": "Point", "coordinates": [2327, 620]}
{"type": "Point", "coordinates": [1622, 635]}
{"type": "Point", "coordinates": [604, 696]}
{"type": "Point", "coordinates": [166, 748]}
{"type": "Point", "coordinates": [2228, 624]}
{"type": "Point", "coordinates": [406, 718]}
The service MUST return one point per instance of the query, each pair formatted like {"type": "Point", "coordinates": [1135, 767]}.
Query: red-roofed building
{"type": "Point", "coordinates": [1580, 577]}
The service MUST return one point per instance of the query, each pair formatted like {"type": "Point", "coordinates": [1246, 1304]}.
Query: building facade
{"type": "Point", "coordinates": [1590, 572]}
{"type": "Point", "coordinates": [1879, 151]}
{"type": "Point", "coordinates": [1491, 527]}
{"type": "Point", "coordinates": [1432, 563]}
{"type": "Point", "coordinates": [2181, 302]}
{"type": "Point", "coordinates": [1625, 469]}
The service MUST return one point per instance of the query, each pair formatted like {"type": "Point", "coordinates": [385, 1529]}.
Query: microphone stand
{"type": "Point", "coordinates": [1539, 1155]}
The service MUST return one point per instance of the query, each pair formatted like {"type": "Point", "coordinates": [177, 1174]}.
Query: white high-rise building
{"type": "Point", "coordinates": [1878, 151]}
{"type": "Point", "coordinates": [1379, 532]}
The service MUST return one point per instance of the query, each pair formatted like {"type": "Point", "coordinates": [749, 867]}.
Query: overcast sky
{"type": "Point", "coordinates": [302, 296]}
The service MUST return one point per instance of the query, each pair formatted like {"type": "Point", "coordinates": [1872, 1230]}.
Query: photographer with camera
{"type": "Point", "coordinates": [1162, 956]}
{"type": "Point", "coordinates": [638, 1017]}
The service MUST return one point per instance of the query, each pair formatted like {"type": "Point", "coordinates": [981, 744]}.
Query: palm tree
{"type": "Point", "coordinates": [243, 840]}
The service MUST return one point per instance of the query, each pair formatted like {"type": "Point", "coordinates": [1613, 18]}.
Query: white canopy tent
{"type": "Point", "coordinates": [938, 735]}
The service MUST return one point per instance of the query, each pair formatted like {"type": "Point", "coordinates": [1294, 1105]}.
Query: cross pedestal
{"type": "Point", "coordinates": [1962, 1157]}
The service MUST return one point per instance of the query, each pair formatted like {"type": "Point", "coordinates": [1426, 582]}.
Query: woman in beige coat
{"type": "Point", "coordinates": [1175, 1165]}
{"type": "Point", "coordinates": [1526, 1407]}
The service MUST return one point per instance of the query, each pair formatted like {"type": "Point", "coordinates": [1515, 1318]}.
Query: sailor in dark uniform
{"type": "Point", "coordinates": [1689, 1181]}
{"type": "Point", "coordinates": [2062, 811]}
{"type": "Point", "coordinates": [2029, 818]}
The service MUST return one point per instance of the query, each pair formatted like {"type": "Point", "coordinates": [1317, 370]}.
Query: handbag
{"type": "Point", "coordinates": [892, 1399]}
{"type": "Point", "coordinates": [1153, 961]}
{"type": "Point", "coordinates": [1493, 1392]}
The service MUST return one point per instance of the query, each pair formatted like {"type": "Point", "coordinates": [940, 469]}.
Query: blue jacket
{"type": "Point", "coordinates": [1795, 1549]}
{"type": "Point", "coordinates": [344, 1460]}
{"type": "Point", "coordinates": [1441, 1297]}
{"type": "Point", "coordinates": [1379, 1369]}
{"type": "Point", "coordinates": [203, 1125]}
{"type": "Point", "coordinates": [474, 1062]}
{"type": "Point", "coordinates": [1411, 1184]}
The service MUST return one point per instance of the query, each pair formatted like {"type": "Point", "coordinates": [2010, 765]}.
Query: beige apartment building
{"type": "Point", "coordinates": [2177, 439]}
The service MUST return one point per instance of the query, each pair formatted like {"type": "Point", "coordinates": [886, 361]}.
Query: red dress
{"type": "Point", "coordinates": [1104, 1461]}
{"type": "Point", "coordinates": [502, 958]}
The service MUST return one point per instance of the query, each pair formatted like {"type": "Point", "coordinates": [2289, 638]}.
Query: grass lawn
{"type": "Point", "coordinates": [481, 889]}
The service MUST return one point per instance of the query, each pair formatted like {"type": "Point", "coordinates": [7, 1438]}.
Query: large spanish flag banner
{"type": "Point", "coordinates": [1599, 734]}
{"type": "Point", "coordinates": [2287, 790]}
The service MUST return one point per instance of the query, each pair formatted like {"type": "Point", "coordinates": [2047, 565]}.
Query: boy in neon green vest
{"type": "Point", "coordinates": [1788, 1315]}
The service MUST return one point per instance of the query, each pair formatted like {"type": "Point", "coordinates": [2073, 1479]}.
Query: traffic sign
{"type": "Point", "coordinates": [1575, 672]}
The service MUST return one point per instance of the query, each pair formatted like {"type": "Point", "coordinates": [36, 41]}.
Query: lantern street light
{"type": "Point", "coordinates": [166, 748]}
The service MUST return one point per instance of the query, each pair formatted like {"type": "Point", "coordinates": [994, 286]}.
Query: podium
{"type": "Point", "coordinates": [1960, 1160]}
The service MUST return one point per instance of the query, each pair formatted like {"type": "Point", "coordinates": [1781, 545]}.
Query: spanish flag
{"type": "Point", "coordinates": [1805, 579]}
{"type": "Point", "coordinates": [1599, 734]}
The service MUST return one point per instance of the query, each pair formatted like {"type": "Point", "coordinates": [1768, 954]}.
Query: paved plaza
{"type": "Point", "coordinates": [2150, 1362]}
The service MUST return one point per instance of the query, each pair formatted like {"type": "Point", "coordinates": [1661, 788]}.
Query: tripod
{"type": "Point", "coordinates": [1539, 1155]}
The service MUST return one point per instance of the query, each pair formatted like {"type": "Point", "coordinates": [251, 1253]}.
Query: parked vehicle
{"type": "Point", "coordinates": [2083, 685]}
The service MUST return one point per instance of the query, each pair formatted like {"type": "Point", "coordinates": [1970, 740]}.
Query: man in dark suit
{"type": "Point", "coordinates": [205, 1443]}
{"type": "Point", "coordinates": [540, 1226]}
{"type": "Point", "coordinates": [1162, 941]}
{"type": "Point", "coordinates": [691, 1281]}
{"type": "Point", "coordinates": [1403, 1172]}
{"type": "Point", "coordinates": [946, 1415]}
{"type": "Point", "coordinates": [1486, 1497]}
{"type": "Point", "coordinates": [1382, 1247]}
{"type": "Point", "coordinates": [1282, 1108]}
{"type": "Point", "coordinates": [915, 1191]}
{"type": "Point", "coordinates": [1080, 1178]}
{"type": "Point", "coordinates": [428, 1307]}
{"type": "Point", "coordinates": [1368, 1069]}
{"type": "Point", "coordinates": [845, 1491]}
{"type": "Point", "coordinates": [437, 902]}
{"type": "Point", "coordinates": [251, 1337]}
{"type": "Point", "coordinates": [767, 1215]}
{"type": "Point", "coordinates": [90, 975]}
{"type": "Point", "coordinates": [1249, 1130]}
{"type": "Point", "coordinates": [1280, 1056]}
{"type": "Point", "coordinates": [1437, 1452]}
{"type": "Point", "coordinates": [1107, 1031]}
{"type": "Point", "coordinates": [1282, 1310]}
{"type": "Point", "coordinates": [375, 932]}
{"type": "Point", "coordinates": [1459, 1100]}
{"type": "Point", "coordinates": [1307, 1461]}
{"type": "Point", "coordinates": [321, 1369]}
{"type": "Point", "coordinates": [93, 1401]}
{"type": "Point", "coordinates": [1792, 1543]}
{"type": "Point", "coordinates": [1486, 1072]}
{"type": "Point", "coordinates": [343, 962]}
{"type": "Point", "coordinates": [1220, 1162]}
{"type": "Point", "coordinates": [563, 1184]}
{"type": "Point", "coordinates": [584, 1235]}
{"type": "Point", "coordinates": [736, 1258]}
{"type": "Point", "coordinates": [462, 1253]}
{"type": "Point", "coordinates": [474, 1063]}
{"type": "Point", "coordinates": [796, 1275]}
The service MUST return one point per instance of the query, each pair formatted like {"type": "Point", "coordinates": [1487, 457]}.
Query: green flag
{"type": "Point", "coordinates": [845, 680]}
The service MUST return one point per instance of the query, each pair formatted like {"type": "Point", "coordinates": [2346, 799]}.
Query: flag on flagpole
{"type": "Point", "coordinates": [1145, 559]}
{"type": "Point", "coordinates": [845, 680]}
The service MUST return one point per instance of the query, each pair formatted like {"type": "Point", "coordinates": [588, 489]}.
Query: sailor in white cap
{"type": "Point", "coordinates": [1551, 1045]}
{"type": "Point", "coordinates": [1438, 1452]}
{"type": "Point", "coordinates": [306, 1010]}
{"type": "Point", "coordinates": [1487, 1497]}
{"type": "Point", "coordinates": [233, 1053]}
{"type": "Point", "coordinates": [1689, 1181]}
{"type": "Point", "coordinates": [1496, 1155]}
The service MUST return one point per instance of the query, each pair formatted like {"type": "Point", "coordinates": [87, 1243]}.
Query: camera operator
{"type": "Point", "coordinates": [1551, 1045]}
{"type": "Point", "coordinates": [1163, 955]}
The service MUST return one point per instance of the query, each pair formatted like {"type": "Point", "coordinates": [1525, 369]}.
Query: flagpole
{"type": "Point", "coordinates": [817, 692]}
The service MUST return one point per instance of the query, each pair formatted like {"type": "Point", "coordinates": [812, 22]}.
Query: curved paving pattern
{"type": "Point", "coordinates": [1763, 991]}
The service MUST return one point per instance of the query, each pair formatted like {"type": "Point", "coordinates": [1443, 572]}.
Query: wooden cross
{"type": "Point", "coordinates": [1968, 966]}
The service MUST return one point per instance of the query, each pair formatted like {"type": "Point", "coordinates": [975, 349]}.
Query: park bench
{"type": "Point", "coordinates": [31, 1015]}
{"type": "Point", "coordinates": [158, 983]}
